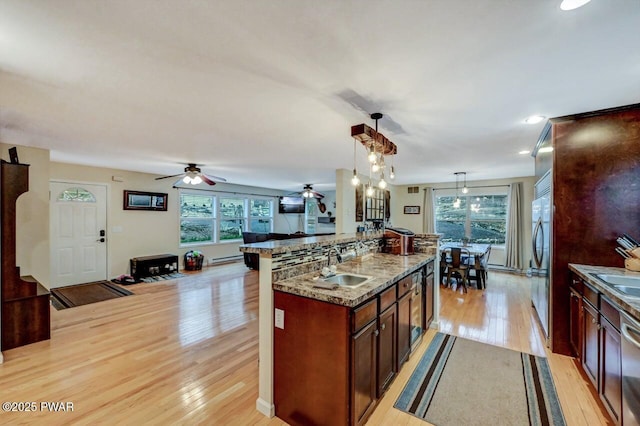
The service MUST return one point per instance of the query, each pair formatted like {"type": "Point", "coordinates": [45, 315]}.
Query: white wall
{"type": "Point", "coordinates": [415, 222]}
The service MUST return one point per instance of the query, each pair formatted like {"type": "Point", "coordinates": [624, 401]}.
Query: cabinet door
{"type": "Point", "coordinates": [427, 294]}
{"type": "Point", "coordinates": [387, 349]}
{"type": "Point", "coordinates": [610, 368]}
{"type": "Point", "coordinates": [575, 323]}
{"type": "Point", "coordinates": [363, 372]}
{"type": "Point", "coordinates": [590, 341]}
{"type": "Point", "coordinates": [404, 328]}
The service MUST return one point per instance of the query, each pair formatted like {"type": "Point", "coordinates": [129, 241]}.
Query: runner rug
{"type": "Point", "coordinates": [84, 294]}
{"type": "Point", "coordinates": [462, 382]}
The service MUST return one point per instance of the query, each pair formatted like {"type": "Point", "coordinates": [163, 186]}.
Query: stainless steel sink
{"type": "Point", "coordinates": [348, 280]}
{"type": "Point", "coordinates": [631, 291]}
{"type": "Point", "coordinates": [620, 280]}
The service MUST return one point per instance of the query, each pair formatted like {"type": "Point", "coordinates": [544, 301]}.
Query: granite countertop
{"type": "Point", "coordinates": [385, 269]}
{"type": "Point", "coordinates": [284, 246]}
{"type": "Point", "coordinates": [628, 303]}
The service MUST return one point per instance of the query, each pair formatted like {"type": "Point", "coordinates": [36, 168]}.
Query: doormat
{"type": "Point", "coordinates": [461, 382]}
{"type": "Point", "coordinates": [84, 294]}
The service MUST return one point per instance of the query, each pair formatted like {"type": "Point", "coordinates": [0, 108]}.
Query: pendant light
{"type": "Point", "coordinates": [457, 201]}
{"type": "Point", "coordinates": [464, 188]}
{"type": "Point", "coordinates": [355, 180]}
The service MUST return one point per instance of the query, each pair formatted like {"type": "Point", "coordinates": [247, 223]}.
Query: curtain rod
{"type": "Point", "coordinates": [478, 186]}
{"type": "Point", "coordinates": [227, 192]}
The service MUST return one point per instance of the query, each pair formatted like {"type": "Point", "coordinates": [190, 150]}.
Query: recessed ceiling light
{"type": "Point", "coordinates": [546, 149]}
{"type": "Point", "coordinates": [572, 4]}
{"type": "Point", "coordinates": [524, 152]}
{"type": "Point", "coordinates": [534, 119]}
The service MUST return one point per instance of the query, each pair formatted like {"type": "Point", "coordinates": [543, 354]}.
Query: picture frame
{"type": "Point", "coordinates": [140, 200]}
{"type": "Point", "coordinates": [411, 209]}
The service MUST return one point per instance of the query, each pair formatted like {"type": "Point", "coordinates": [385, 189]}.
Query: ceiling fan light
{"type": "Point", "coordinates": [186, 179]}
{"type": "Point", "coordinates": [196, 180]}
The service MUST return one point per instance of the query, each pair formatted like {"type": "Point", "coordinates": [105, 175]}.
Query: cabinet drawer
{"type": "Point", "coordinates": [364, 314]}
{"type": "Point", "coordinates": [577, 284]}
{"type": "Point", "coordinates": [591, 295]}
{"type": "Point", "coordinates": [610, 312]}
{"type": "Point", "coordinates": [404, 285]}
{"type": "Point", "coordinates": [387, 297]}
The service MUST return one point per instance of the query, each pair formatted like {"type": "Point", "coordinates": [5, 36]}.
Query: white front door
{"type": "Point", "coordinates": [78, 226]}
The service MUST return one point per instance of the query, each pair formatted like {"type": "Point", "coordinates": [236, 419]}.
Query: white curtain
{"type": "Point", "coordinates": [513, 247]}
{"type": "Point", "coordinates": [429, 223]}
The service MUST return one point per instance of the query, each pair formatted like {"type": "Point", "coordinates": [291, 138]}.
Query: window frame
{"type": "Point", "coordinates": [468, 220]}
{"type": "Point", "coordinates": [213, 218]}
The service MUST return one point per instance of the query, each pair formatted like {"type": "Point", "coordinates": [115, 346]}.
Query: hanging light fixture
{"type": "Point", "coordinates": [355, 180]}
{"type": "Point", "coordinates": [464, 188]}
{"type": "Point", "coordinates": [377, 147]}
{"type": "Point", "coordinates": [457, 201]}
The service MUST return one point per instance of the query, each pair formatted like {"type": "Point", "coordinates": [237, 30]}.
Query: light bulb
{"type": "Point", "coordinates": [196, 180]}
{"type": "Point", "coordinates": [465, 190]}
{"type": "Point", "coordinates": [186, 179]}
{"type": "Point", "coordinates": [355, 180]}
{"type": "Point", "coordinates": [372, 156]}
{"type": "Point", "coordinates": [456, 203]}
{"type": "Point", "coordinates": [369, 191]}
{"type": "Point", "coordinates": [382, 184]}
{"type": "Point", "coordinates": [375, 167]}
{"type": "Point", "coordinates": [392, 175]}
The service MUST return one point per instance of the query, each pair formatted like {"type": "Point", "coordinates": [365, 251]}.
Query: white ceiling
{"type": "Point", "coordinates": [255, 90]}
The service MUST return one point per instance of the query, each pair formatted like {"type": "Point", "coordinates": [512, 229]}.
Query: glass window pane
{"type": "Point", "coordinates": [196, 230]}
{"type": "Point", "coordinates": [196, 205]}
{"type": "Point", "coordinates": [231, 229]}
{"type": "Point", "coordinates": [260, 225]}
{"type": "Point", "coordinates": [76, 194]}
{"type": "Point", "coordinates": [261, 208]}
{"type": "Point", "coordinates": [488, 232]}
{"type": "Point", "coordinates": [232, 207]}
{"type": "Point", "coordinates": [451, 230]}
{"type": "Point", "coordinates": [446, 209]}
{"type": "Point", "coordinates": [493, 207]}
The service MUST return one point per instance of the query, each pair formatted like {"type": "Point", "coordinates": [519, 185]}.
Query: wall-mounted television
{"type": "Point", "coordinates": [291, 205]}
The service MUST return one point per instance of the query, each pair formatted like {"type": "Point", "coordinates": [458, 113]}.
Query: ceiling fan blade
{"type": "Point", "coordinates": [317, 194]}
{"type": "Point", "coordinates": [172, 176]}
{"type": "Point", "coordinates": [206, 179]}
{"type": "Point", "coordinates": [212, 177]}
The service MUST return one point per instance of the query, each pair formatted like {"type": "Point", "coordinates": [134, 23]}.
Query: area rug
{"type": "Point", "coordinates": [462, 382]}
{"type": "Point", "coordinates": [84, 294]}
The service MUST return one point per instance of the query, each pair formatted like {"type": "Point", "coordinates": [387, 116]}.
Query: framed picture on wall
{"type": "Point", "coordinates": [411, 209]}
{"type": "Point", "coordinates": [139, 200]}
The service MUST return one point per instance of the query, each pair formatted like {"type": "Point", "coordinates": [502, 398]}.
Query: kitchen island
{"type": "Point", "coordinates": [287, 272]}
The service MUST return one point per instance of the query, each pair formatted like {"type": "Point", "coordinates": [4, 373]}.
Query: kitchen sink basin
{"type": "Point", "coordinates": [631, 291]}
{"type": "Point", "coordinates": [348, 280]}
{"type": "Point", "coordinates": [620, 280]}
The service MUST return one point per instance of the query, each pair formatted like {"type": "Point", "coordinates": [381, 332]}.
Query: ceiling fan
{"type": "Point", "coordinates": [193, 175]}
{"type": "Point", "coordinates": [308, 192]}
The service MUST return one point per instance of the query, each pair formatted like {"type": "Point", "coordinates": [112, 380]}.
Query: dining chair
{"type": "Point", "coordinates": [458, 267]}
{"type": "Point", "coordinates": [443, 265]}
{"type": "Point", "coordinates": [479, 266]}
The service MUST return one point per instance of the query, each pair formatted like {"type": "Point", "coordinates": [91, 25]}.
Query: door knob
{"type": "Point", "coordinates": [101, 240]}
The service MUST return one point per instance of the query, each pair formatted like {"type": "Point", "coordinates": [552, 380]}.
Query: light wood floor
{"type": "Point", "coordinates": [185, 352]}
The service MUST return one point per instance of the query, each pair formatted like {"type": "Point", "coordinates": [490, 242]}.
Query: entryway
{"type": "Point", "coordinates": [77, 229]}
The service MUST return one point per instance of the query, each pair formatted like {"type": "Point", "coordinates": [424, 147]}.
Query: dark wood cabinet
{"type": "Point", "coordinates": [576, 323]}
{"type": "Point", "coordinates": [25, 302]}
{"type": "Point", "coordinates": [363, 372]}
{"type": "Point", "coordinates": [333, 363]}
{"type": "Point", "coordinates": [595, 328]}
{"type": "Point", "coordinates": [404, 328]}
{"type": "Point", "coordinates": [387, 348]}
{"type": "Point", "coordinates": [427, 297]}
{"type": "Point", "coordinates": [590, 361]}
{"type": "Point", "coordinates": [610, 369]}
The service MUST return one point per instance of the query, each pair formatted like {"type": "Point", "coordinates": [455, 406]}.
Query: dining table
{"type": "Point", "coordinates": [476, 250]}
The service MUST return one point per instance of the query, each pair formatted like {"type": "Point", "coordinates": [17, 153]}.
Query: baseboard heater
{"type": "Point", "coordinates": [228, 259]}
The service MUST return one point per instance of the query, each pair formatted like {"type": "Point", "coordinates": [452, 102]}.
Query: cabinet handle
{"type": "Point", "coordinates": [383, 326]}
{"type": "Point", "coordinates": [593, 320]}
{"type": "Point", "coordinates": [376, 332]}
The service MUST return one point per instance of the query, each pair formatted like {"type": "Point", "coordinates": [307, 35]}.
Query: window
{"type": "Point", "coordinates": [76, 194]}
{"type": "Point", "coordinates": [197, 218]}
{"type": "Point", "coordinates": [261, 216]}
{"type": "Point", "coordinates": [232, 218]}
{"type": "Point", "coordinates": [209, 219]}
{"type": "Point", "coordinates": [479, 218]}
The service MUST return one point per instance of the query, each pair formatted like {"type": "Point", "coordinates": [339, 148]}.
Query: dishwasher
{"type": "Point", "coordinates": [630, 330]}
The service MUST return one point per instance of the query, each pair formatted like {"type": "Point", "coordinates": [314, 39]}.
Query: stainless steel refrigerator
{"type": "Point", "coordinates": [541, 250]}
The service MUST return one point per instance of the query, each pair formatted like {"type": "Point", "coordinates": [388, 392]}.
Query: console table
{"type": "Point", "coordinates": [148, 266]}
